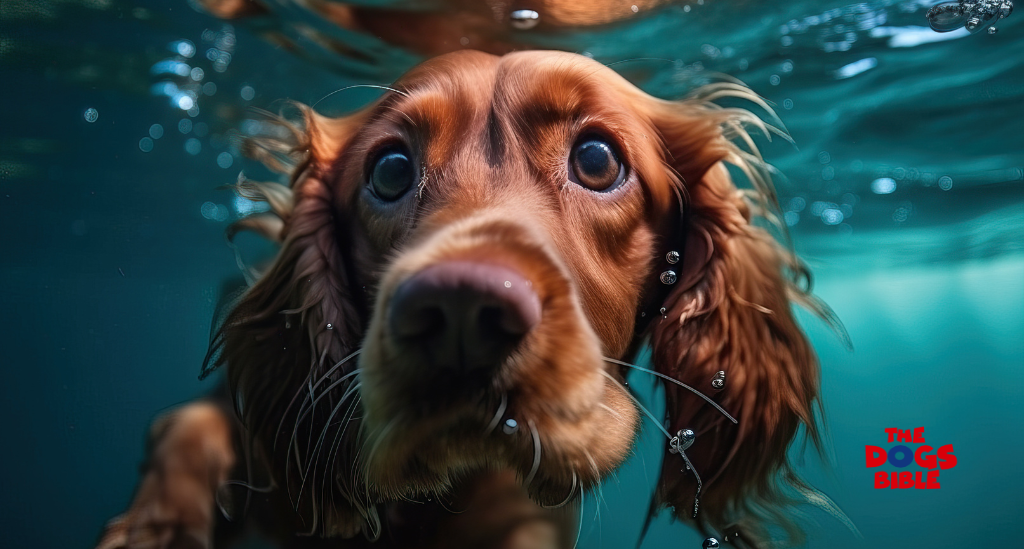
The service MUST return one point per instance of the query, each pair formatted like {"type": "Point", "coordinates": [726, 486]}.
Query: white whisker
{"type": "Point", "coordinates": [311, 389]}
{"type": "Point", "coordinates": [497, 415]}
{"type": "Point", "coordinates": [536, 451]}
{"type": "Point", "coordinates": [677, 382]}
{"type": "Point", "coordinates": [572, 492]}
{"type": "Point", "coordinates": [579, 528]}
{"type": "Point", "coordinates": [617, 415]}
{"type": "Point", "coordinates": [639, 405]}
{"type": "Point", "coordinates": [314, 455]}
{"type": "Point", "coordinates": [374, 86]}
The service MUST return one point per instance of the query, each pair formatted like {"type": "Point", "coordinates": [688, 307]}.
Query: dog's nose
{"type": "Point", "coordinates": [463, 316]}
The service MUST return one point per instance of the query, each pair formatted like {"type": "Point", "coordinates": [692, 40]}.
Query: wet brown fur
{"type": "Point", "coordinates": [492, 135]}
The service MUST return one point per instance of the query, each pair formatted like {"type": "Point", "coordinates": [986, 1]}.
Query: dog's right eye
{"type": "Point", "coordinates": [393, 174]}
{"type": "Point", "coordinates": [594, 165]}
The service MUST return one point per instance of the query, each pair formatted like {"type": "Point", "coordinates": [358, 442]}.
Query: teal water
{"type": "Point", "coordinates": [904, 192]}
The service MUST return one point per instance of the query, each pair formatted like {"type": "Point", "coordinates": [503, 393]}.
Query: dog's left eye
{"type": "Point", "coordinates": [393, 173]}
{"type": "Point", "coordinates": [595, 165]}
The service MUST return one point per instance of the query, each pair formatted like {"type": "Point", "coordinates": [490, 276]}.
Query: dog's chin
{"type": "Point", "coordinates": [411, 456]}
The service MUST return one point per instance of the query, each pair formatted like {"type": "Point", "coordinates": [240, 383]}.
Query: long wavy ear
{"type": "Point", "coordinates": [299, 319]}
{"type": "Point", "coordinates": [729, 311]}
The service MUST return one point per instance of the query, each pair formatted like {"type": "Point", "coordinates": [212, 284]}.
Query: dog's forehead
{"type": "Point", "coordinates": [554, 82]}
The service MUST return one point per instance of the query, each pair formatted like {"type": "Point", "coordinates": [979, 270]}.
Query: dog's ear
{"type": "Point", "coordinates": [729, 311]}
{"type": "Point", "coordinates": [298, 319]}
{"type": "Point", "coordinates": [298, 315]}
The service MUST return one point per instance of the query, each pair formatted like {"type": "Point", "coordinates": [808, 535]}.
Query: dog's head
{"type": "Point", "coordinates": [487, 236]}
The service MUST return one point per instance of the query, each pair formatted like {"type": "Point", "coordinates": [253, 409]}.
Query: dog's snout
{"type": "Point", "coordinates": [463, 315]}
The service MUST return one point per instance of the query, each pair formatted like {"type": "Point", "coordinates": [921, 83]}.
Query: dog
{"type": "Point", "coordinates": [467, 269]}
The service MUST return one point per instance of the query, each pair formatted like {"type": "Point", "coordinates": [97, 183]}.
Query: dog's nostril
{"type": "Point", "coordinates": [502, 322]}
{"type": "Point", "coordinates": [420, 318]}
{"type": "Point", "coordinates": [463, 315]}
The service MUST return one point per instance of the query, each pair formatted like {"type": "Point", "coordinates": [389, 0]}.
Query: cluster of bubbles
{"type": "Point", "coordinates": [839, 28]}
{"type": "Point", "coordinates": [831, 202]}
{"type": "Point", "coordinates": [214, 212]}
{"type": "Point", "coordinates": [185, 79]}
{"type": "Point", "coordinates": [182, 80]}
{"type": "Point", "coordinates": [841, 200]}
{"type": "Point", "coordinates": [973, 15]}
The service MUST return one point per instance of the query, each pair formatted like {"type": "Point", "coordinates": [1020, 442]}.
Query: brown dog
{"type": "Point", "coordinates": [463, 266]}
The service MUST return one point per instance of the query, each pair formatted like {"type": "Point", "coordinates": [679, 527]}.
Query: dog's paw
{"type": "Point", "coordinates": [132, 532]}
{"type": "Point", "coordinates": [191, 454]}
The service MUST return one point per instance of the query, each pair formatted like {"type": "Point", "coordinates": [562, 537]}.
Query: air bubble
{"type": "Point", "coordinates": [214, 212]}
{"type": "Point", "coordinates": [91, 115]}
{"type": "Point", "coordinates": [524, 19]}
{"type": "Point", "coordinates": [145, 144]}
{"type": "Point", "coordinates": [945, 182]}
{"type": "Point", "coordinates": [510, 426]}
{"type": "Point", "coordinates": [973, 15]}
{"type": "Point", "coordinates": [832, 216]}
{"type": "Point", "coordinates": [883, 185]}
{"type": "Point", "coordinates": [947, 17]}
{"type": "Point", "coordinates": [901, 214]}
{"type": "Point", "coordinates": [184, 48]}
{"type": "Point", "coordinates": [682, 441]}
{"type": "Point", "coordinates": [718, 382]}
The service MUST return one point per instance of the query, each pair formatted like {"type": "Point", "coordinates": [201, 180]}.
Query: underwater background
{"type": "Point", "coordinates": [904, 191]}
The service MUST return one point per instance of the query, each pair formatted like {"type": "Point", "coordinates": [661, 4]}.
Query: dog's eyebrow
{"type": "Point", "coordinates": [531, 111]}
{"type": "Point", "coordinates": [390, 102]}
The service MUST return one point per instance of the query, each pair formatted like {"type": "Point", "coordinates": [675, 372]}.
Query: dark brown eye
{"type": "Point", "coordinates": [595, 165]}
{"type": "Point", "coordinates": [393, 174]}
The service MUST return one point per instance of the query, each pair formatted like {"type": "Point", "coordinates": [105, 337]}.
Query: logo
{"type": "Point", "coordinates": [902, 455]}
